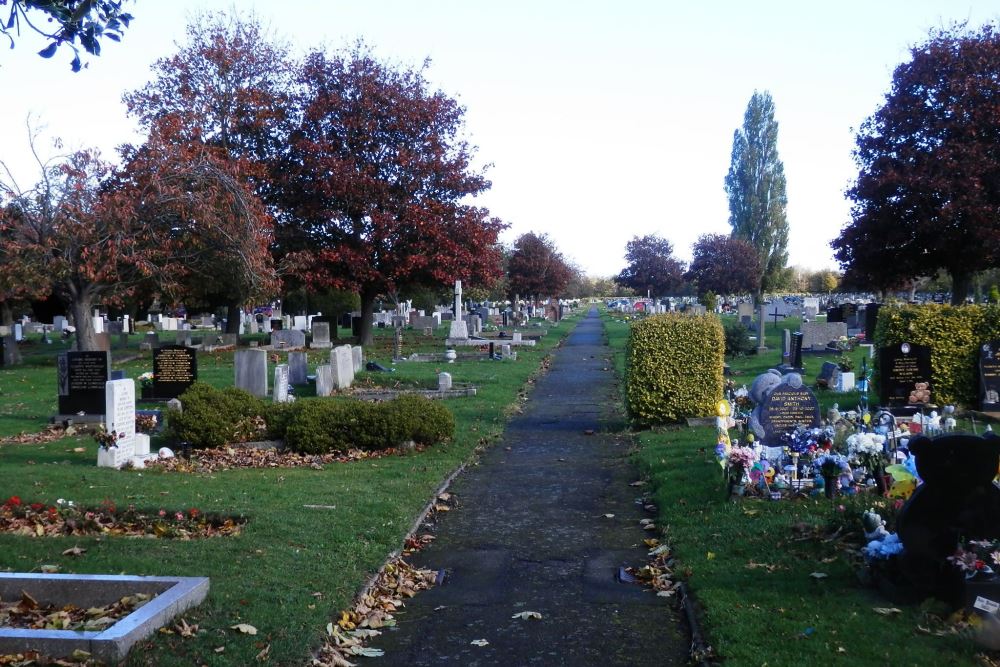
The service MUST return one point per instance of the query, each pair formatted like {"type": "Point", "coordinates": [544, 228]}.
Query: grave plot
{"type": "Point", "coordinates": [106, 638]}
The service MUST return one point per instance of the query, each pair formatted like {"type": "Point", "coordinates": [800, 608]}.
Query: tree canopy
{"type": "Point", "coordinates": [927, 196]}
{"type": "Point", "coordinates": [536, 268]}
{"type": "Point", "coordinates": [651, 267]}
{"type": "Point", "coordinates": [83, 21]}
{"type": "Point", "coordinates": [724, 265]}
{"type": "Point", "coordinates": [755, 186]}
{"type": "Point", "coordinates": [377, 182]}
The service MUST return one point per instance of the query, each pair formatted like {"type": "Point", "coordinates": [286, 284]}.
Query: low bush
{"type": "Point", "coordinates": [216, 417]}
{"type": "Point", "coordinates": [322, 426]}
{"type": "Point", "coordinates": [737, 339]}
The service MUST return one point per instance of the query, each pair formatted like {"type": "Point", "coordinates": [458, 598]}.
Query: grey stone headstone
{"type": "Point", "coordinates": [422, 322]}
{"type": "Point", "coordinates": [175, 404]}
{"type": "Point", "coordinates": [324, 380]}
{"type": "Point", "coordinates": [342, 366]}
{"type": "Point", "coordinates": [358, 358]}
{"type": "Point", "coordinates": [280, 384]}
{"type": "Point", "coordinates": [459, 330]}
{"type": "Point", "coordinates": [298, 368]}
{"type": "Point", "coordinates": [288, 339]}
{"type": "Point", "coordinates": [321, 335]}
{"type": "Point", "coordinates": [251, 371]}
{"type": "Point", "coordinates": [58, 323]}
{"type": "Point", "coordinates": [150, 341]}
{"type": "Point", "coordinates": [829, 374]}
{"type": "Point", "coordinates": [786, 339]}
{"type": "Point", "coordinates": [817, 335]}
{"type": "Point", "coordinates": [184, 337]}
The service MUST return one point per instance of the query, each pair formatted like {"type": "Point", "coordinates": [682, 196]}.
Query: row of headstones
{"type": "Point", "coordinates": [252, 376]}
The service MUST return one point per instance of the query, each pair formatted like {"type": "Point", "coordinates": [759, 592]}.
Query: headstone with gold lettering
{"type": "Point", "coordinates": [905, 375]}
{"type": "Point", "coordinates": [175, 368]}
{"type": "Point", "coordinates": [785, 409]}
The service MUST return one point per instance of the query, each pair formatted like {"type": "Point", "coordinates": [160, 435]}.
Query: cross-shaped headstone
{"type": "Point", "coordinates": [776, 315]}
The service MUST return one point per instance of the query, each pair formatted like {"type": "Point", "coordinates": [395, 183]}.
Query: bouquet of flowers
{"type": "Point", "coordinates": [106, 439]}
{"type": "Point", "coordinates": [806, 440]}
{"type": "Point", "coordinates": [977, 556]}
{"type": "Point", "coordinates": [740, 459]}
{"type": "Point", "coordinates": [146, 379]}
{"type": "Point", "coordinates": [867, 449]}
{"type": "Point", "coordinates": [831, 465]}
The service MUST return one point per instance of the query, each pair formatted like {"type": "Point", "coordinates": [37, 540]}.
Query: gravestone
{"type": "Point", "coordinates": [288, 339]}
{"type": "Point", "coordinates": [298, 368]}
{"type": "Point", "coordinates": [810, 307]}
{"type": "Point", "coordinates": [119, 417]}
{"type": "Point", "coordinates": [444, 381]}
{"type": "Point", "coordinates": [342, 366]}
{"type": "Point", "coordinates": [871, 319]}
{"type": "Point", "coordinates": [744, 311]}
{"type": "Point", "coordinates": [829, 375]}
{"type": "Point", "coordinates": [82, 377]}
{"type": "Point", "coordinates": [835, 314]}
{"type": "Point", "coordinates": [324, 380]}
{"type": "Point", "coordinates": [251, 371]}
{"type": "Point", "coordinates": [59, 323]}
{"type": "Point", "coordinates": [459, 330]}
{"type": "Point", "coordinates": [794, 364]}
{"type": "Point", "coordinates": [905, 375]}
{"type": "Point", "coordinates": [786, 343]}
{"type": "Point", "coordinates": [175, 369]}
{"type": "Point", "coordinates": [103, 341]}
{"type": "Point", "coordinates": [816, 336]}
{"type": "Point", "coordinates": [114, 328]}
{"type": "Point", "coordinates": [852, 316]}
{"type": "Point", "coordinates": [320, 335]}
{"type": "Point", "coordinates": [300, 322]}
{"type": "Point", "coordinates": [276, 324]}
{"type": "Point", "coordinates": [358, 358]}
{"type": "Point", "coordinates": [457, 310]}
{"type": "Point", "coordinates": [989, 376]}
{"type": "Point", "coordinates": [423, 322]}
{"type": "Point", "coordinates": [18, 332]}
{"type": "Point", "coordinates": [761, 327]}
{"type": "Point", "coordinates": [150, 341]}
{"type": "Point", "coordinates": [183, 337]}
{"type": "Point", "coordinates": [9, 354]}
{"type": "Point", "coordinates": [785, 409]}
{"type": "Point", "coordinates": [280, 384]}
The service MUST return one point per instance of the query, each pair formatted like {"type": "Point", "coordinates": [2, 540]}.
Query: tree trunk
{"type": "Point", "coordinates": [368, 296]}
{"type": "Point", "coordinates": [81, 305]}
{"type": "Point", "coordinates": [961, 281]}
{"type": "Point", "coordinates": [6, 314]}
{"type": "Point", "coordinates": [233, 313]}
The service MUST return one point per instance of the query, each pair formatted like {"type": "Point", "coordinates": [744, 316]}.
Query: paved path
{"type": "Point", "coordinates": [529, 534]}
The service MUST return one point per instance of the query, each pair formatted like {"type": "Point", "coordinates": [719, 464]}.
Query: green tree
{"type": "Point", "coordinates": [755, 185]}
{"type": "Point", "coordinates": [83, 21]}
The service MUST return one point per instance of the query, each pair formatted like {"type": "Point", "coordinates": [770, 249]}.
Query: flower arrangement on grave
{"type": "Point", "coordinates": [145, 423]}
{"type": "Point", "coordinates": [739, 462]}
{"type": "Point", "coordinates": [977, 557]}
{"type": "Point", "coordinates": [106, 439]}
{"type": "Point", "coordinates": [809, 440]}
{"type": "Point", "coordinates": [831, 465]}
{"type": "Point", "coordinates": [146, 380]}
{"type": "Point", "coordinates": [845, 363]}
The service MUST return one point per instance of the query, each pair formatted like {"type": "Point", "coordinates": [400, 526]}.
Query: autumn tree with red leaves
{"type": "Point", "coordinates": [536, 268]}
{"type": "Point", "coordinates": [377, 181]}
{"type": "Point", "coordinates": [724, 265]}
{"type": "Point", "coordinates": [227, 88]}
{"type": "Point", "coordinates": [927, 197]}
{"type": "Point", "coordinates": [652, 267]}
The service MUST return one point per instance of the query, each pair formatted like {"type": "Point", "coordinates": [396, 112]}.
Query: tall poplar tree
{"type": "Point", "coordinates": [756, 188]}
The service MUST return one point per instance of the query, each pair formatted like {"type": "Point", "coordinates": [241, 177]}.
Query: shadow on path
{"type": "Point", "coordinates": [530, 534]}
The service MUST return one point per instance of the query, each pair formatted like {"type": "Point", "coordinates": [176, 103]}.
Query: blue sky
{"type": "Point", "coordinates": [602, 120]}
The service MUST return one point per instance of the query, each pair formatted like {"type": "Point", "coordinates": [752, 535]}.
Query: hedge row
{"type": "Point", "coordinates": [954, 334]}
{"type": "Point", "coordinates": [216, 417]}
{"type": "Point", "coordinates": [674, 369]}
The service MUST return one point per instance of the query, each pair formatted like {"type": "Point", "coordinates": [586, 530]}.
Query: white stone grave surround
{"type": "Point", "coordinates": [119, 417]}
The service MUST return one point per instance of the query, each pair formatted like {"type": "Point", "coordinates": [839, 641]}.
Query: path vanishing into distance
{"type": "Point", "coordinates": [529, 533]}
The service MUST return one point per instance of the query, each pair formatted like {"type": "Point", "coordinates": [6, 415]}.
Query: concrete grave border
{"type": "Point", "coordinates": [174, 595]}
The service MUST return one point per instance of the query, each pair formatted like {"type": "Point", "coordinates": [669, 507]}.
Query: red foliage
{"type": "Point", "coordinates": [377, 182]}
{"type": "Point", "coordinates": [651, 266]}
{"type": "Point", "coordinates": [535, 268]}
{"type": "Point", "coordinates": [927, 195]}
{"type": "Point", "coordinates": [724, 265]}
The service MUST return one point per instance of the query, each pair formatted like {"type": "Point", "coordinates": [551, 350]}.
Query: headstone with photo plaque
{"type": "Point", "coordinates": [989, 376]}
{"type": "Point", "coordinates": [905, 375]}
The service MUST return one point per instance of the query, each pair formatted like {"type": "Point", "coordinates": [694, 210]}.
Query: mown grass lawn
{"type": "Point", "coordinates": [749, 564]}
{"type": "Point", "coordinates": [292, 568]}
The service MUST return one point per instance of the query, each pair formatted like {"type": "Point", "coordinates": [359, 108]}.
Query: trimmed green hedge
{"type": "Point", "coordinates": [674, 367]}
{"type": "Point", "coordinates": [954, 334]}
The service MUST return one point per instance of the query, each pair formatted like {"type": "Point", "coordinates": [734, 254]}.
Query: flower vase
{"type": "Point", "coordinates": [736, 488]}
{"type": "Point", "coordinates": [830, 486]}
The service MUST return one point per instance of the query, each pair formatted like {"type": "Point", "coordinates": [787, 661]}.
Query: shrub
{"type": "Point", "coordinates": [954, 334]}
{"type": "Point", "coordinates": [321, 426]}
{"type": "Point", "coordinates": [709, 300]}
{"type": "Point", "coordinates": [213, 417]}
{"type": "Point", "coordinates": [737, 339]}
{"type": "Point", "coordinates": [674, 367]}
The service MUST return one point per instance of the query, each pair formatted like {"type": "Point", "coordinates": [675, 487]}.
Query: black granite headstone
{"type": "Point", "coordinates": [175, 368]}
{"type": "Point", "coordinates": [277, 324]}
{"type": "Point", "coordinates": [345, 321]}
{"type": "Point", "coordinates": [355, 326]}
{"type": "Point", "coordinates": [989, 376]}
{"type": "Point", "coordinates": [835, 314]}
{"type": "Point", "coordinates": [905, 375]}
{"type": "Point", "coordinates": [785, 409]}
{"type": "Point", "coordinates": [795, 353]}
{"type": "Point", "coordinates": [82, 377]}
{"type": "Point", "coordinates": [871, 319]}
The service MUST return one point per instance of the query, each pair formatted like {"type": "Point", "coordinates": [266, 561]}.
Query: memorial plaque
{"type": "Point", "coordinates": [175, 368]}
{"type": "Point", "coordinates": [905, 375]}
{"type": "Point", "coordinates": [989, 376]}
{"type": "Point", "coordinates": [786, 409]}
{"type": "Point", "coordinates": [82, 380]}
